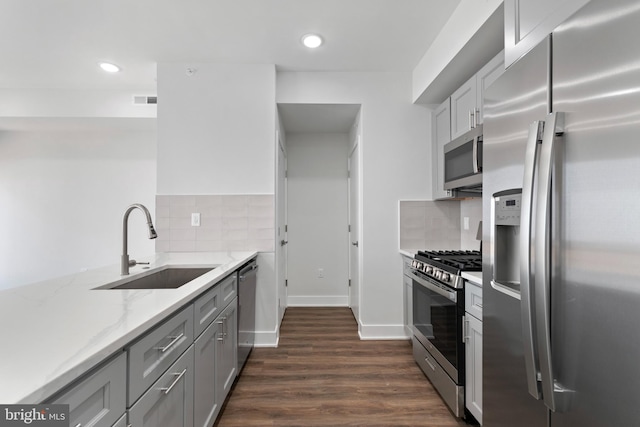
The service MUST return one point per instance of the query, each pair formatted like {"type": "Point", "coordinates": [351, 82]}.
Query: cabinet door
{"type": "Point", "coordinates": [169, 401]}
{"type": "Point", "coordinates": [408, 305]}
{"type": "Point", "coordinates": [206, 403]}
{"type": "Point", "coordinates": [473, 365]}
{"type": "Point", "coordinates": [487, 75]}
{"type": "Point", "coordinates": [98, 400]}
{"type": "Point", "coordinates": [441, 135]}
{"type": "Point", "coordinates": [463, 108]}
{"type": "Point", "coordinates": [528, 22]}
{"type": "Point", "coordinates": [227, 360]}
{"type": "Point", "coordinates": [122, 422]}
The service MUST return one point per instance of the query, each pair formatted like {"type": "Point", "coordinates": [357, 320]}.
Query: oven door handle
{"type": "Point", "coordinates": [443, 292]}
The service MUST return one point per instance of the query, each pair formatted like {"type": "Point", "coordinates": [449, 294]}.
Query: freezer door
{"type": "Point", "coordinates": [596, 279]}
{"type": "Point", "coordinates": [518, 98]}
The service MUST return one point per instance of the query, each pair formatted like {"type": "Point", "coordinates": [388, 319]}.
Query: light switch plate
{"type": "Point", "coordinates": [466, 223]}
{"type": "Point", "coordinates": [195, 220]}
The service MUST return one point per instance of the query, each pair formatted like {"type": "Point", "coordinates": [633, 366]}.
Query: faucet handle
{"type": "Point", "coordinates": [133, 262]}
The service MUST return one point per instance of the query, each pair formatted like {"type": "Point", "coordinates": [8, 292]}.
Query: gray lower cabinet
{"type": "Point", "coordinates": [122, 422]}
{"type": "Point", "coordinates": [473, 349]}
{"type": "Point", "coordinates": [206, 404]}
{"type": "Point", "coordinates": [169, 401]}
{"type": "Point", "coordinates": [205, 309]}
{"type": "Point", "coordinates": [228, 289]}
{"type": "Point", "coordinates": [157, 350]}
{"type": "Point", "coordinates": [99, 400]}
{"type": "Point", "coordinates": [227, 350]}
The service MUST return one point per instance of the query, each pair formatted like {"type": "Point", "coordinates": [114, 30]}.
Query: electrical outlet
{"type": "Point", "coordinates": [321, 273]}
{"type": "Point", "coordinates": [195, 220]}
{"type": "Point", "coordinates": [466, 223]}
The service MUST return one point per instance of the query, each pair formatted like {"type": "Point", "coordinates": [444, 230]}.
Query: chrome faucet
{"type": "Point", "coordinates": [125, 263]}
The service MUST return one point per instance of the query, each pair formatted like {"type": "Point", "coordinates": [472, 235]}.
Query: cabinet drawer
{"type": "Point", "coordinates": [169, 401]}
{"type": "Point", "coordinates": [98, 400]}
{"type": "Point", "coordinates": [205, 309]}
{"type": "Point", "coordinates": [157, 350]}
{"type": "Point", "coordinates": [228, 289]}
{"type": "Point", "coordinates": [473, 299]}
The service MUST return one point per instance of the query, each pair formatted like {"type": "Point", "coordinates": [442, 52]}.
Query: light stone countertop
{"type": "Point", "coordinates": [56, 330]}
{"type": "Point", "coordinates": [474, 277]}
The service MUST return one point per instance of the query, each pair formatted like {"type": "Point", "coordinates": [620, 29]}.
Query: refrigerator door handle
{"type": "Point", "coordinates": [526, 273]}
{"type": "Point", "coordinates": [555, 396]}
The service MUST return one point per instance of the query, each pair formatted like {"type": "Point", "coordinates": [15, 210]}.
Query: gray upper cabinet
{"type": "Point", "coordinates": [528, 22]}
{"type": "Point", "coordinates": [467, 102]}
{"type": "Point", "coordinates": [441, 135]}
{"type": "Point", "coordinates": [99, 400]}
{"type": "Point", "coordinates": [157, 350]}
{"type": "Point", "coordinates": [464, 108]}
{"type": "Point", "coordinates": [169, 401]}
{"type": "Point", "coordinates": [487, 75]}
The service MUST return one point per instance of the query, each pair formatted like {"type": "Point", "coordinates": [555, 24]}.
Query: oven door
{"type": "Point", "coordinates": [437, 323]}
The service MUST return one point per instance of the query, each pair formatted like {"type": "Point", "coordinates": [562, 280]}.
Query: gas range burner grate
{"type": "Point", "coordinates": [458, 260]}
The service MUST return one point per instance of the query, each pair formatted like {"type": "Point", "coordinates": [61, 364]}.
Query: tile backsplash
{"type": "Point", "coordinates": [227, 223]}
{"type": "Point", "coordinates": [472, 209]}
{"type": "Point", "coordinates": [429, 225]}
{"type": "Point", "coordinates": [426, 224]}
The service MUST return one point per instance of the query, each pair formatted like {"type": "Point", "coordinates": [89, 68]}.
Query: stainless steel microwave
{"type": "Point", "coordinates": [463, 162]}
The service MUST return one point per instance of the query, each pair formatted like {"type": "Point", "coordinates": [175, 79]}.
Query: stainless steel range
{"type": "Point", "coordinates": [438, 314]}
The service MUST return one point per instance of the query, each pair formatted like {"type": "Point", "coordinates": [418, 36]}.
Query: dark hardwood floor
{"type": "Point", "coordinates": [322, 374]}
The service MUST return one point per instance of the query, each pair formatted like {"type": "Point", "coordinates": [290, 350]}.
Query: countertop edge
{"type": "Point", "coordinates": [59, 381]}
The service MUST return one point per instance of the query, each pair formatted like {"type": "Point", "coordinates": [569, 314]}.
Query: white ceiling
{"type": "Point", "coordinates": [58, 43]}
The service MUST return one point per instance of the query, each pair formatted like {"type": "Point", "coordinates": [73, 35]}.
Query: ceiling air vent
{"type": "Point", "coordinates": [145, 100]}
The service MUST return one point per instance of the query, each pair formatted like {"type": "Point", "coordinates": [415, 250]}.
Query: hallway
{"type": "Point", "coordinates": [322, 374]}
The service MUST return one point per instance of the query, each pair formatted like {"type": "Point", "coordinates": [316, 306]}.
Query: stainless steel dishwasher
{"type": "Point", "coordinates": [246, 311]}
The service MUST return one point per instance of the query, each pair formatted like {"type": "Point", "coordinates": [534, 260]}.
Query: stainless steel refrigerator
{"type": "Point", "coordinates": [561, 228]}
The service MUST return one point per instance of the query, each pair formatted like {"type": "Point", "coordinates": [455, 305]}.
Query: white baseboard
{"type": "Point", "coordinates": [318, 301]}
{"type": "Point", "coordinates": [383, 332]}
{"type": "Point", "coordinates": [266, 339]}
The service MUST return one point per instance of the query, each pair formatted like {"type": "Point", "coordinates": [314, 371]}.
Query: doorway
{"type": "Point", "coordinates": [319, 146]}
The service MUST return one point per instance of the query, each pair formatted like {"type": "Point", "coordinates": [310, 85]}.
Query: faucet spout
{"type": "Point", "coordinates": [125, 263]}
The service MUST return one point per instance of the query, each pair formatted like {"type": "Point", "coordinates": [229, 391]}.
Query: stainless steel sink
{"type": "Point", "coordinates": [167, 278]}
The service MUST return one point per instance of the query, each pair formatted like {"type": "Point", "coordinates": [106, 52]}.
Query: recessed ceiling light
{"type": "Point", "coordinates": [311, 41]}
{"type": "Point", "coordinates": [109, 68]}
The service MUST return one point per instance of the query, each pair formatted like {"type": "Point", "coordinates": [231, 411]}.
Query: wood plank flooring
{"type": "Point", "coordinates": [322, 374]}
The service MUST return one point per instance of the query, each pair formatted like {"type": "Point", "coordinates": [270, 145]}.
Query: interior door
{"type": "Point", "coordinates": [354, 229]}
{"type": "Point", "coordinates": [281, 227]}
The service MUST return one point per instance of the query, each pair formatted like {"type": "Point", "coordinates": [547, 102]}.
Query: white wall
{"type": "Point", "coordinates": [62, 198]}
{"type": "Point", "coordinates": [216, 136]}
{"type": "Point", "coordinates": [216, 129]}
{"type": "Point", "coordinates": [396, 160]}
{"type": "Point", "coordinates": [318, 217]}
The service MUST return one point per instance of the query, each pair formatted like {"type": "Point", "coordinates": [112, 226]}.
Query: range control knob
{"type": "Point", "coordinates": [438, 274]}
{"type": "Point", "coordinates": [445, 277]}
{"type": "Point", "coordinates": [429, 270]}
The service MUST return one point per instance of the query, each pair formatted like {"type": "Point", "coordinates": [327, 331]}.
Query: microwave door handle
{"type": "Point", "coordinates": [526, 245]}
{"type": "Point", "coordinates": [476, 169]}
{"type": "Point", "coordinates": [555, 396]}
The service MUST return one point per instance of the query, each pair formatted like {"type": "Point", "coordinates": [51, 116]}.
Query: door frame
{"type": "Point", "coordinates": [281, 228]}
